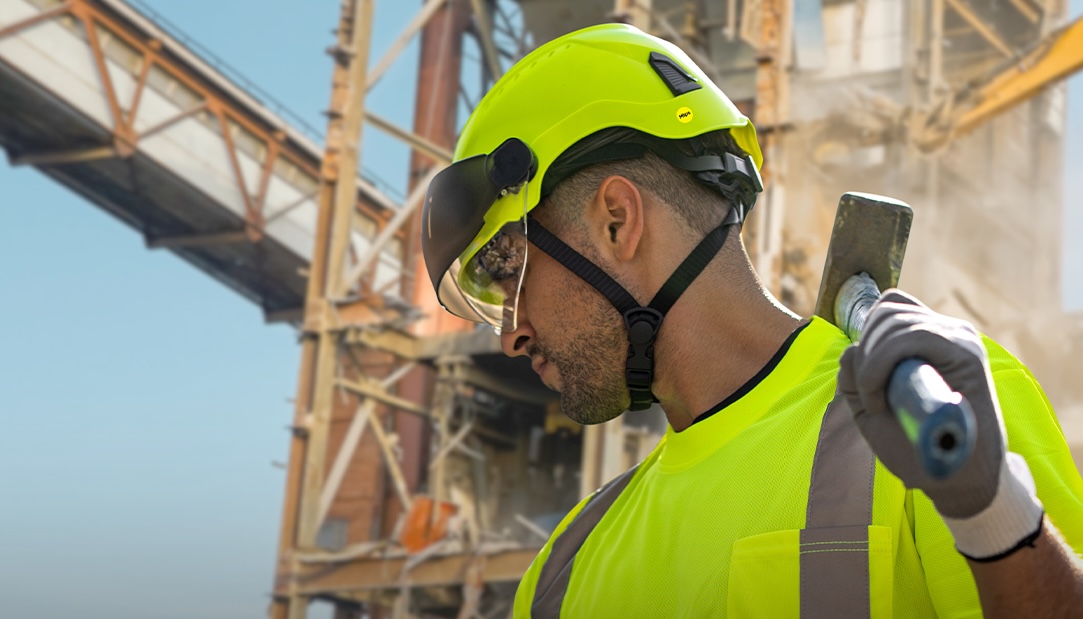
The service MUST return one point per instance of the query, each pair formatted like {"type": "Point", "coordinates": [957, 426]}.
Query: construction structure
{"type": "Point", "coordinates": [425, 470]}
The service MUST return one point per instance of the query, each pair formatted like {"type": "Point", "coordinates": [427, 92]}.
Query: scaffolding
{"type": "Point", "coordinates": [434, 525]}
{"type": "Point", "coordinates": [425, 470]}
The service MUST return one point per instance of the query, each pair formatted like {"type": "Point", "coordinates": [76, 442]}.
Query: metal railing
{"type": "Point", "coordinates": [251, 88]}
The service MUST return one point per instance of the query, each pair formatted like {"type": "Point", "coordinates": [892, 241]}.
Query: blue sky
{"type": "Point", "coordinates": [143, 402]}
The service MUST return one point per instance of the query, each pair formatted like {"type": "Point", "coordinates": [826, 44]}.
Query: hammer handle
{"type": "Point", "coordinates": [937, 420]}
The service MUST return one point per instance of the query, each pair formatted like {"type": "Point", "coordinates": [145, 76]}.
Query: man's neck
{"type": "Point", "coordinates": [711, 343]}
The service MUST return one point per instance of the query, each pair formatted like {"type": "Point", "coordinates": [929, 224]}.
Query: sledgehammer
{"type": "Point", "coordinates": [865, 256]}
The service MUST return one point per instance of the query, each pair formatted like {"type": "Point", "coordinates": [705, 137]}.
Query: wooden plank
{"type": "Point", "coordinates": [373, 574]}
{"type": "Point", "coordinates": [342, 459]}
{"type": "Point", "coordinates": [369, 389]}
{"type": "Point", "coordinates": [392, 465]}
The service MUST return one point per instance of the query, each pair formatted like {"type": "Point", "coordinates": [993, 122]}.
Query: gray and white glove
{"type": "Point", "coordinates": [989, 504]}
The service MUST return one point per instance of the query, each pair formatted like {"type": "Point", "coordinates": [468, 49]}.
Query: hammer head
{"type": "Point", "coordinates": [869, 236]}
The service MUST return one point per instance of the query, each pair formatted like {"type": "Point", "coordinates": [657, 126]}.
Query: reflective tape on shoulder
{"type": "Point", "coordinates": [834, 550]}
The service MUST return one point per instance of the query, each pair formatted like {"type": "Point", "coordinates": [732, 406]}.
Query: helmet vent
{"type": "Point", "coordinates": [678, 80]}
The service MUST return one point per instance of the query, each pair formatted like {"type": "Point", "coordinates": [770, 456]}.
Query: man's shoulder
{"type": "Point", "coordinates": [1000, 358]}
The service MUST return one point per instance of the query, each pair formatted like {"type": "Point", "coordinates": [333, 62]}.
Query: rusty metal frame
{"type": "Point", "coordinates": [335, 320]}
{"type": "Point", "coordinates": [42, 17]}
{"type": "Point", "coordinates": [91, 30]}
{"type": "Point", "coordinates": [137, 97]}
{"type": "Point", "coordinates": [91, 14]}
{"type": "Point", "coordinates": [169, 122]}
{"type": "Point", "coordinates": [253, 215]}
{"type": "Point", "coordinates": [291, 206]}
{"type": "Point", "coordinates": [320, 351]}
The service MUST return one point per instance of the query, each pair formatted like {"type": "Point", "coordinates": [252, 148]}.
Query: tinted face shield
{"type": "Point", "coordinates": [480, 284]}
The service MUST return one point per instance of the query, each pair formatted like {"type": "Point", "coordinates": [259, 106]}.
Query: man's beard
{"type": "Point", "coordinates": [591, 366]}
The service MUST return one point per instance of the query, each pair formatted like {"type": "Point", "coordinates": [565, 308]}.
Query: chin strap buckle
{"type": "Point", "coordinates": [643, 324]}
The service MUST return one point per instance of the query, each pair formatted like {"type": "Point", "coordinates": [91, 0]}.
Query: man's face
{"type": "Point", "coordinates": [575, 338]}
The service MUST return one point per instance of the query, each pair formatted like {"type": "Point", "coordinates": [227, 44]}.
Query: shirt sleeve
{"type": "Point", "coordinates": [524, 594]}
{"type": "Point", "coordinates": [1034, 433]}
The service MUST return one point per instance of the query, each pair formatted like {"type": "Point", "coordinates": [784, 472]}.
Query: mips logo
{"type": "Point", "coordinates": [684, 114]}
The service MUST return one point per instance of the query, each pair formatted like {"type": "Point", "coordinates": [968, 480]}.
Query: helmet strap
{"type": "Point", "coordinates": [642, 322]}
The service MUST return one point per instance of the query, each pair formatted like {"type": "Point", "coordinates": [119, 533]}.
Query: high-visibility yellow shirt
{"type": "Point", "coordinates": [708, 524]}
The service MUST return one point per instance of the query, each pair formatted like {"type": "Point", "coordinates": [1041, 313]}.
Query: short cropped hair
{"type": "Point", "coordinates": [699, 206]}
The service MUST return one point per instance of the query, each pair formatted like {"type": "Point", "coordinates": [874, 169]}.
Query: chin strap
{"type": "Point", "coordinates": [642, 322]}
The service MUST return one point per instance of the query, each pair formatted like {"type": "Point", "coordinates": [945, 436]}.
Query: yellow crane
{"type": "Point", "coordinates": [874, 118]}
{"type": "Point", "coordinates": [1053, 58]}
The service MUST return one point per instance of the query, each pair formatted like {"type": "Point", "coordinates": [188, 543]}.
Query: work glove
{"type": "Point", "coordinates": [989, 504]}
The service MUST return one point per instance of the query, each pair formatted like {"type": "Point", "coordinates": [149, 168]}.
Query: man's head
{"type": "Point", "coordinates": [605, 126]}
{"type": "Point", "coordinates": [581, 347]}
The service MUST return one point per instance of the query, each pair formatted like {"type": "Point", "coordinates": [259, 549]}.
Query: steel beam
{"type": "Point", "coordinates": [169, 122]}
{"type": "Point", "coordinates": [987, 32]}
{"type": "Point", "coordinates": [160, 51]}
{"type": "Point", "coordinates": [320, 349]}
{"type": "Point", "coordinates": [293, 314]}
{"type": "Point", "coordinates": [79, 155]}
{"type": "Point", "coordinates": [197, 240]}
{"type": "Point", "coordinates": [342, 459]}
{"type": "Point", "coordinates": [475, 342]}
{"type": "Point", "coordinates": [1027, 10]}
{"type": "Point", "coordinates": [35, 20]}
{"type": "Point", "coordinates": [418, 143]}
{"type": "Point", "coordinates": [373, 390]}
{"type": "Point", "coordinates": [416, 24]}
{"type": "Point", "coordinates": [485, 33]}
{"type": "Point", "coordinates": [361, 267]}
{"type": "Point", "coordinates": [430, 347]}
{"type": "Point", "coordinates": [474, 375]}
{"type": "Point", "coordinates": [350, 442]}
{"type": "Point", "coordinates": [90, 26]}
{"type": "Point", "coordinates": [252, 216]}
{"type": "Point", "coordinates": [671, 32]}
{"type": "Point", "coordinates": [392, 464]}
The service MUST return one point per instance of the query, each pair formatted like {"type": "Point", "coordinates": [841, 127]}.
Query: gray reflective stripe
{"type": "Point", "coordinates": [835, 542]}
{"type": "Point", "coordinates": [553, 579]}
{"type": "Point", "coordinates": [835, 572]}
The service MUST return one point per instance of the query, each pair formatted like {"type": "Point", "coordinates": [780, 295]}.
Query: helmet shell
{"type": "Point", "coordinates": [583, 82]}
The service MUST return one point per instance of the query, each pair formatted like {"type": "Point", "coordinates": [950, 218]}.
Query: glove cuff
{"type": "Point", "coordinates": [1011, 521]}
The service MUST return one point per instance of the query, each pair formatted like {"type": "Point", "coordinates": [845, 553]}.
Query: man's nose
{"type": "Point", "coordinates": [515, 342]}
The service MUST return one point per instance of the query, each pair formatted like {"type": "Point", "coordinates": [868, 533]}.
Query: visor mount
{"type": "Point", "coordinates": [510, 165]}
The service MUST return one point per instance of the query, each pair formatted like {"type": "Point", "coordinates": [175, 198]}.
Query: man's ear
{"type": "Point", "coordinates": [618, 217]}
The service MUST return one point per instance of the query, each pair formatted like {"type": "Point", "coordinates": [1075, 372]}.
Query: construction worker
{"type": "Point", "coordinates": [593, 216]}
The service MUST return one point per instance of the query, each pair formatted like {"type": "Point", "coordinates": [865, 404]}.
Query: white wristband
{"type": "Point", "coordinates": [1013, 518]}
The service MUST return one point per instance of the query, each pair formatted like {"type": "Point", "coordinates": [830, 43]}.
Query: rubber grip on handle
{"type": "Point", "coordinates": [938, 421]}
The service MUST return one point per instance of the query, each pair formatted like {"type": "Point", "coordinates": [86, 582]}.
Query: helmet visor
{"type": "Point", "coordinates": [488, 285]}
{"type": "Point", "coordinates": [476, 258]}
